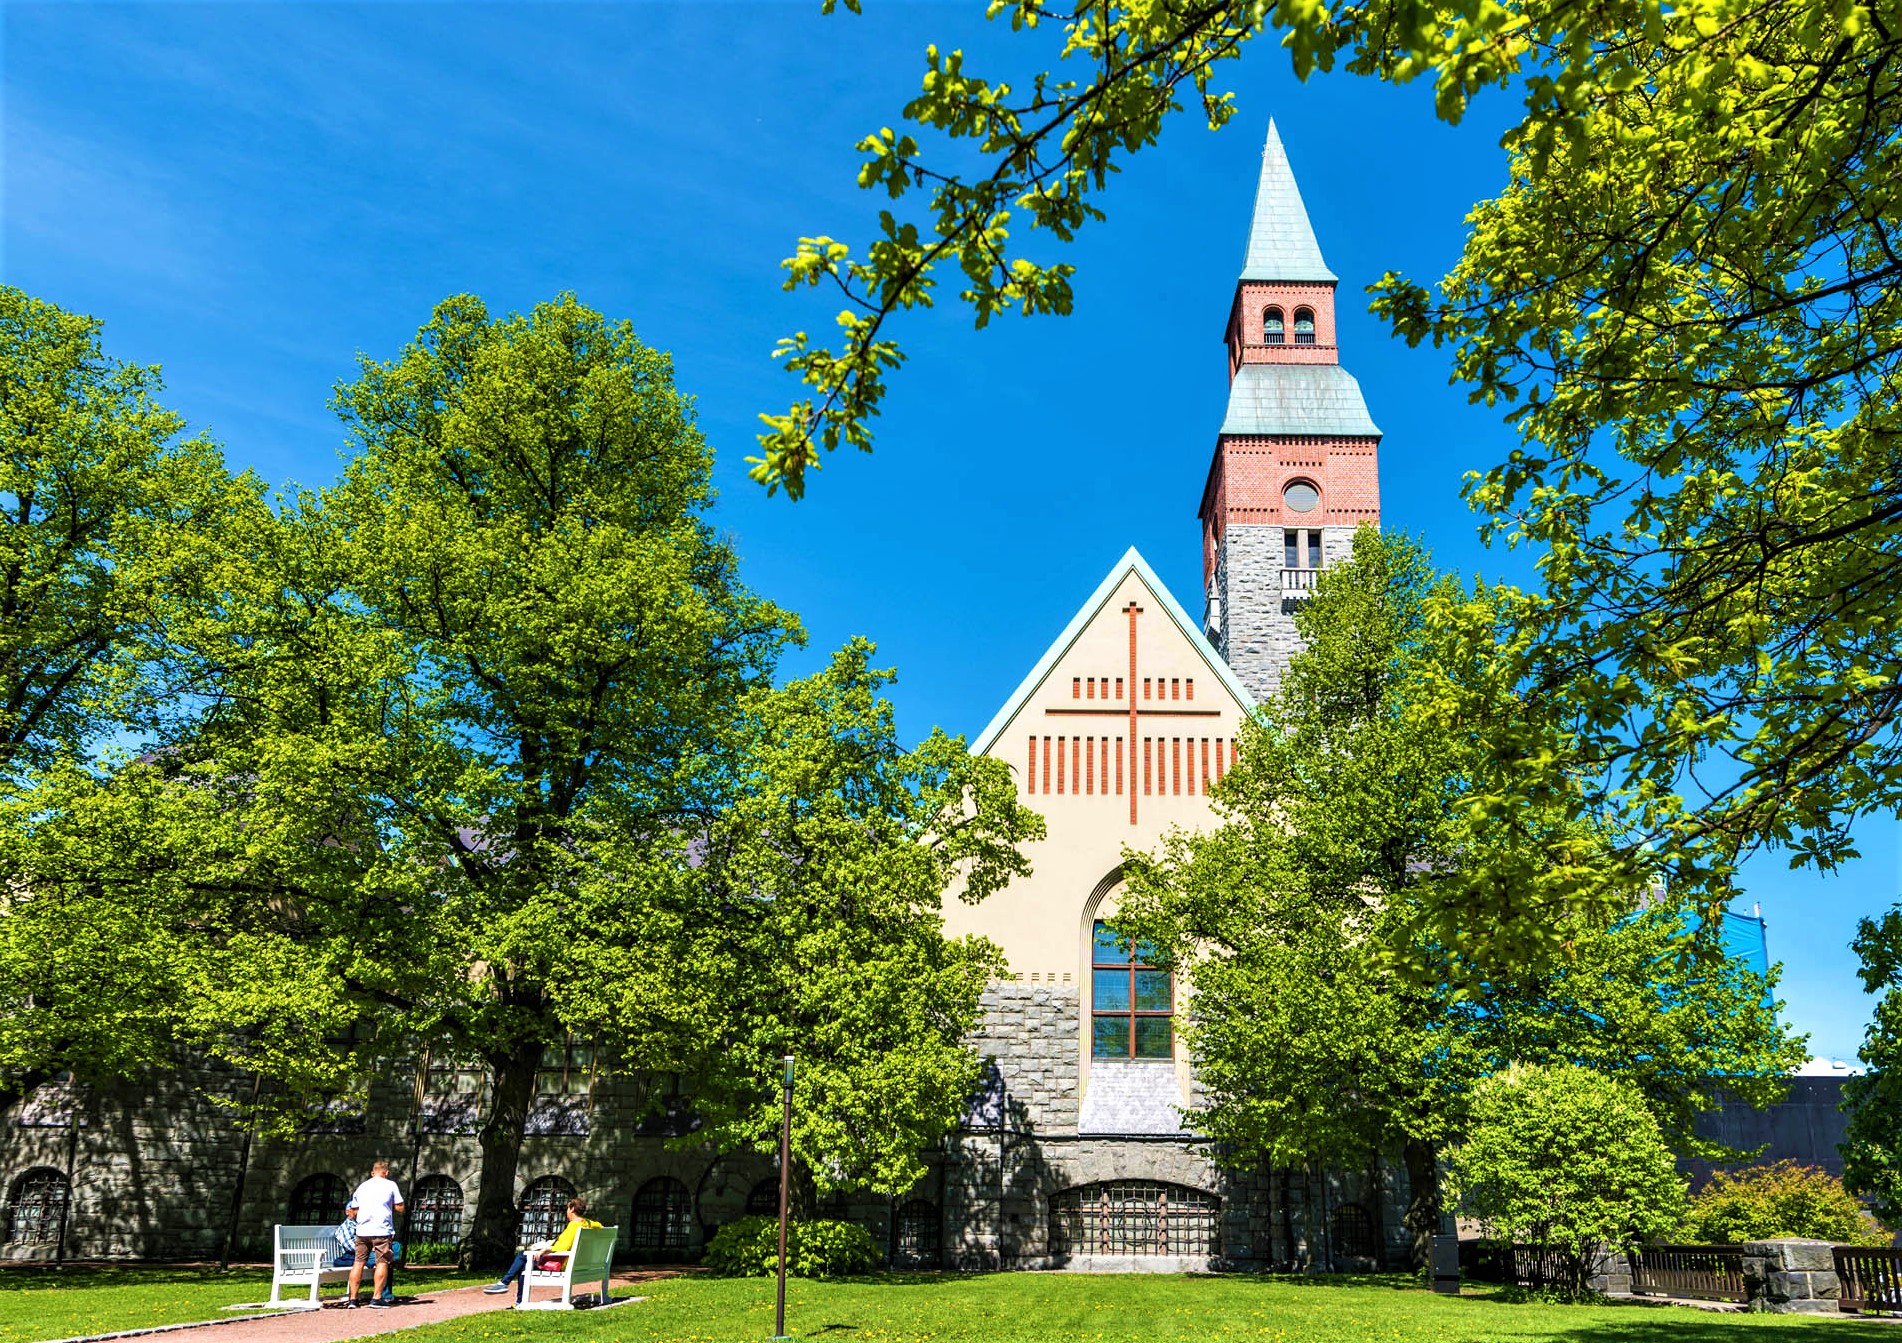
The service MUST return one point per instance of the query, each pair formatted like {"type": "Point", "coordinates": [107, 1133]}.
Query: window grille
{"type": "Point", "coordinates": [1273, 330]}
{"type": "Point", "coordinates": [319, 1200]}
{"type": "Point", "coordinates": [435, 1210]}
{"type": "Point", "coordinates": [1353, 1232]}
{"type": "Point", "coordinates": [1135, 1217]}
{"type": "Point", "coordinates": [1132, 1004]}
{"type": "Point", "coordinates": [663, 1215]}
{"type": "Point", "coordinates": [544, 1208]}
{"type": "Point", "coordinates": [1303, 326]}
{"type": "Point", "coordinates": [36, 1205]}
{"type": "Point", "coordinates": [919, 1237]}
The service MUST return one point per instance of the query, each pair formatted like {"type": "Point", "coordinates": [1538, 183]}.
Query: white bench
{"type": "Point", "coordinates": [302, 1255]}
{"type": "Point", "coordinates": [588, 1262]}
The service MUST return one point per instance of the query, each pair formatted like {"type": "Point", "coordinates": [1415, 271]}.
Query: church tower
{"type": "Point", "coordinates": [1296, 459]}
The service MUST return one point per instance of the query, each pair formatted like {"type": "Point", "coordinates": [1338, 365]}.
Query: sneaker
{"type": "Point", "coordinates": [382, 1302]}
{"type": "Point", "coordinates": [388, 1298]}
{"type": "Point", "coordinates": [350, 1304]}
{"type": "Point", "coordinates": [496, 1287]}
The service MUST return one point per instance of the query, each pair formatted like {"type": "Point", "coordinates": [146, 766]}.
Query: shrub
{"type": "Point", "coordinates": [1765, 1202]}
{"type": "Point", "coordinates": [430, 1252]}
{"type": "Point", "coordinates": [815, 1248]}
{"type": "Point", "coordinates": [1568, 1159]}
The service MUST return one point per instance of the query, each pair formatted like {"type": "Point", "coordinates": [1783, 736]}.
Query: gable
{"type": "Point", "coordinates": [1129, 716]}
{"type": "Point", "coordinates": [1161, 626]}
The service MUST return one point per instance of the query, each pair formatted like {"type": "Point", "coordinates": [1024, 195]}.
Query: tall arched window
{"type": "Point", "coordinates": [435, 1209]}
{"type": "Point", "coordinates": [36, 1205]}
{"type": "Point", "coordinates": [918, 1239]}
{"type": "Point", "coordinates": [1273, 330]}
{"type": "Point", "coordinates": [319, 1200]}
{"type": "Point", "coordinates": [1132, 1004]}
{"type": "Point", "coordinates": [663, 1215]}
{"type": "Point", "coordinates": [544, 1208]}
{"type": "Point", "coordinates": [1304, 326]}
{"type": "Point", "coordinates": [1135, 1217]}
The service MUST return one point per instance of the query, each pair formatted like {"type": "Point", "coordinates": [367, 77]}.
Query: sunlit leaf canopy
{"type": "Point", "coordinates": [1685, 301]}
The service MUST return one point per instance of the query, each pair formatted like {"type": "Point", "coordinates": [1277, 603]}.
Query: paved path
{"type": "Point", "coordinates": [333, 1324]}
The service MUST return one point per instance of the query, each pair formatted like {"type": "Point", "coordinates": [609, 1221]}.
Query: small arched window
{"type": "Point", "coordinates": [319, 1200]}
{"type": "Point", "coordinates": [1353, 1232]}
{"type": "Point", "coordinates": [544, 1208]}
{"type": "Point", "coordinates": [36, 1205]}
{"type": "Point", "coordinates": [918, 1237]}
{"type": "Point", "coordinates": [1272, 329]}
{"type": "Point", "coordinates": [663, 1215]}
{"type": "Point", "coordinates": [435, 1209]}
{"type": "Point", "coordinates": [763, 1201]}
{"type": "Point", "coordinates": [1304, 326]}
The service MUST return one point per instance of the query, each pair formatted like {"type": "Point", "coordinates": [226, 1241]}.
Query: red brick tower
{"type": "Point", "coordinates": [1296, 465]}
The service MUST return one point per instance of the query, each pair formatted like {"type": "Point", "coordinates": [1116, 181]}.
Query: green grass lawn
{"type": "Point", "coordinates": [1022, 1307]}
{"type": "Point", "coordinates": [42, 1303]}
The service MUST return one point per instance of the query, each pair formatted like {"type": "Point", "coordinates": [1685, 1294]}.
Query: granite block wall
{"type": "Point", "coordinates": [1257, 633]}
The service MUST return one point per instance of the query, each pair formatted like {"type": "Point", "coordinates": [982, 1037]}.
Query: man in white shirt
{"type": "Point", "coordinates": [374, 1206]}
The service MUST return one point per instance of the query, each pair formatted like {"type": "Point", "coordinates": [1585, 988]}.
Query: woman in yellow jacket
{"type": "Point", "coordinates": [548, 1258]}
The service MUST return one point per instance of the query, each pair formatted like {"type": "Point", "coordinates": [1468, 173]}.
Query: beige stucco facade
{"type": "Point", "coordinates": [1115, 738]}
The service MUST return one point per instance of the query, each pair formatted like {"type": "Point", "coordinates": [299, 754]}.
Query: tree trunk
{"type": "Point", "coordinates": [491, 1241]}
{"type": "Point", "coordinates": [1423, 1200]}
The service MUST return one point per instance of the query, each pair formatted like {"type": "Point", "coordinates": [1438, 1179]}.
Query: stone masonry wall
{"type": "Point", "coordinates": [1019, 1148]}
{"type": "Point", "coordinates": [154, 1169]}
{"type": "Point", "coordinates": [1030, 1031]}
{"type": "Point", "coordinates": [1790, 1276]}
{"type": "Point", "coordinates": [1257, 623]}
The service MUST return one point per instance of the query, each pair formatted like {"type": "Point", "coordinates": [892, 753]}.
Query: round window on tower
{"type": "Point", "coordinates": [1301, 497]}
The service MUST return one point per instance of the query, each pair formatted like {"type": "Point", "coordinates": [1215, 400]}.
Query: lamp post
{"type": "Point", "coordinates": [785, 1186]}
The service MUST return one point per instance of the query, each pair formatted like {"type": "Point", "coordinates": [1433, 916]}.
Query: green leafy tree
{"type": "Point", "coordinates": [1783, 1199]}
{"type": "Point", "coordinates": [1872, 1146]}
{"type": "Point", "coordinates": [803, 918]}
{"type": "Point", "coordinates": [438, 693]}
{"type": "Point", "coordinates": [524, 524]}
{"type": "Point", "coordinates": [487, 755]}
{"type": "Point", "coordinates": [1684, 299]}
{"type": "Point", "coordinates": [109, 515]}
{"type": "Point", "coordinates": [1566, 1158]}
{"type": "Point", "coordinates": [1329, 1019]}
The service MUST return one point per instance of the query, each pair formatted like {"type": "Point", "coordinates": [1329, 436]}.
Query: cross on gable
{"type": "Point", "coordinates": [1133, 708]}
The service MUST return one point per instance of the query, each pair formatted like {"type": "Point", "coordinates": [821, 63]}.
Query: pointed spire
{"type": "Point", "coordinates": [1281, 243]}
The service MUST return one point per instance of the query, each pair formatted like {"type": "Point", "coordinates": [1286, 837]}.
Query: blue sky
{"type": "Point", "coordinates": [252, 194]}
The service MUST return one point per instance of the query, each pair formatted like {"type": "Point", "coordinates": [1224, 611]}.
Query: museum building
{"type": "Point", "coordinates": [1079, 1149]}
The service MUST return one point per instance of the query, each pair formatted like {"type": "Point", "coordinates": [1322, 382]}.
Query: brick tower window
{"type": "Point", "coordinates": [1132, 1004]}
{"type": "Point", "coordinates": [1301, 548]}
{"type": "Point", "coordinates": [1273, 328]}
{"type": "Point", "coordinates": [1304, 326]}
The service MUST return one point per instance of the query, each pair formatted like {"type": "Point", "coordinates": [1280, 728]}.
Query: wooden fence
{"type": "Point", "coordinates": [1702, 1272]}
{"type": "Point", "coordinates": [1870, 1279]}
{"type": "Point", "coordinates": [1539, 1266]}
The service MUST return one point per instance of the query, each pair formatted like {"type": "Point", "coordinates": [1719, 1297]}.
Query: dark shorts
{"type": "Point", "coordinates": [379, 1245]}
